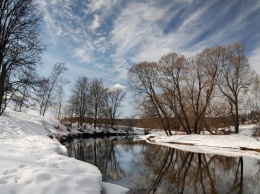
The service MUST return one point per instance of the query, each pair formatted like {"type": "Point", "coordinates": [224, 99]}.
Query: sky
{"type": "Point", "coordinates": [104, 38]}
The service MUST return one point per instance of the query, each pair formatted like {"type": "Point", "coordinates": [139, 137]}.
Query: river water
{"type": "Point", "coordinates": [146, 168]}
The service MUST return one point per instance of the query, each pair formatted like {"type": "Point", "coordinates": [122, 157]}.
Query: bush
{"type": "Point", "coordinates": [256, 130]}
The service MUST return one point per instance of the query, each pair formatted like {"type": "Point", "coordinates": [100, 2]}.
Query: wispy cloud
{"type": "Point", "coordinates": [82, 54]}
{"type": "Point", "coordinates": [139, 31]}
{"type": "Point", "coordinates": [254, 60]}
{"type": "Point", "coordinates": [104, 38]}
{"type": "Point", "coordinates": [96, 22]}
{"type": "Point", "coordinates": [111, 35]}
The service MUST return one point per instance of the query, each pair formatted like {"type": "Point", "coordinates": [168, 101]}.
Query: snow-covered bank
{"type": "Point", "coordinates": [32, 162]}
{"type": "Point", "coordinates": [88, 131]}
{"type": "Point", "coordinates": [242, 144]}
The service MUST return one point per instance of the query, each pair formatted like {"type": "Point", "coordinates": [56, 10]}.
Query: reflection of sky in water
{"type": "Point", "coordinates": [250, 166]}
{"type": "Point", "coordinates": [141, 167]}
{"type": "Point", "coordinates": [128, 159]}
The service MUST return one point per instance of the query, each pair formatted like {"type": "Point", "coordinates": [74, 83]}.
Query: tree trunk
{"type": "Point", "coordinates": [236, 120]}
{"type": "Point", "coordinates": [2, 92]}
{"type": "Point", "coordinates": [95, 118]}
{"type": "Point", "coordinates": [112, 122]}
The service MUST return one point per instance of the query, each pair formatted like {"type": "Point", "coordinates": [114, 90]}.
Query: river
{"type": "Point", "coordinates": [145, 168]}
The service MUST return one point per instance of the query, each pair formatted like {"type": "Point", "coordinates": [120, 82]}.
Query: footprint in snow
{"type": "Point", "coordinates": [21, 165]}
{"type": "Point", "coordinates": [10, 171]}
{"type": "Point", "coordinates": [3, 182]}
{"type": "Point", "coordinates": [8, 176]}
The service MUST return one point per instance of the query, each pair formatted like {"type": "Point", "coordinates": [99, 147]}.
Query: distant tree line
{"type": "Point", "coordinates": [90, 98]}
{"type": "Point", "coordinates": [185, 92]}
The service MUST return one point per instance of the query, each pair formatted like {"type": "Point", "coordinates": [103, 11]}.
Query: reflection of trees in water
{"type": "Point", "coordinates": [175, 171]}
{"type": "Point", "coordinates": [159, 169]}
{"type": "Point", "coordinates": [101, 153]}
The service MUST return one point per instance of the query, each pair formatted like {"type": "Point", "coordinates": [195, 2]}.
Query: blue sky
{"type": "Point", "coordinates": [104, 38]}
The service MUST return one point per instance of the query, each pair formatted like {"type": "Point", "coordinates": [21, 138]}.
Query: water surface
{"type": "Point", "coordinates": [146, 168]}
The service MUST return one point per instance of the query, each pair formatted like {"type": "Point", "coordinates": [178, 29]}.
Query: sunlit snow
{"type": "Point", "coordinates": [242, 144]}
{"type": "Point", "coordinates": [32, 162]}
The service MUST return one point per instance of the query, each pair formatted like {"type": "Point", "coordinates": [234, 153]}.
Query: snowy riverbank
{"type": "Point", "coordinates": [242, 144]}
{"type": "Point", "coordinates": [33, 162]}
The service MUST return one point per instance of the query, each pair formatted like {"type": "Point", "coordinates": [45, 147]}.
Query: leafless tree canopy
{"type": "Point", "coordinates": [50, 86]}
{"type": "Point", "coordinates": [113, 99]}
{"type": "Point", "coordinates": [20, 46]}
{"type": "Point", "coordinates": [92, 102]}
{"type": "Point", "coordinates": [184, 92]}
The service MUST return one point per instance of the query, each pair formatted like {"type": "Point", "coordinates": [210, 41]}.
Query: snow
{"type": "Point", "coordinates": [242, 144]}
{"type": "Point", "coordinates": [32, 162]}
{"type": "Point", "coordinates": [88, 130]}
{"type": "Point", "coordinates": [112, 188]}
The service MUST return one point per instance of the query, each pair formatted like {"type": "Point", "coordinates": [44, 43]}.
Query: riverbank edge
{"type": "Point", "coordinates": [21, 128]}
{"type": "Point", "coordinates": [63, 138]}
{"type": "Point", "coordinates": [191, 143]}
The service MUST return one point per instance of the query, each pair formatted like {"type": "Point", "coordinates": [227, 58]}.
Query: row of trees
{"type": "Point", "coordinates": [20, 85]}
{"type": "Point", "coordinates": [187, 92]}
{"type": "Point", "coordinates": [44, 92]}
{"type": "Point", "coordinates": [91, 99]}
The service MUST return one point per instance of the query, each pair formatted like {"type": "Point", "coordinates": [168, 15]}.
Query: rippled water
{"type": "Point", "coordinates": [146, 168]}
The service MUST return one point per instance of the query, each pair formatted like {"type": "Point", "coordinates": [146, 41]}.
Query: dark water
{"type": "Point", "coordinates": [146, 168]}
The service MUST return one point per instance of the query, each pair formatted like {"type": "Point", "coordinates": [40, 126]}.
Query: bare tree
{"type": "Point", "coordinates": [25, 93]}
{"type": "Point", "coordinates": [59, 101]}
{"type": "Point", "coordinates": [143, 81]}
{"type": "Point", "coordinates": [81, 98]}
{"type": "Point", "coordinates": [235, 78]}
{"type": "Point", "coordinates": [97, 95]}
{"type": "Point", "coordinates": [20, 44]}
{"type": "Point", "coordinates": [50, 85]}
{"type": "Point", "coordinates": [253, 107]}
{"type": "Point", "coordinates": [187, 88]}
{"type": "Point", "coordinates": [253, 99]}
{"type": "Point", "coordinates": [173, 70]}
{"type": "Point", "coordinates": [113, 100]}
{"type": "Point", "coordinates": [201, 82]}
{"type": "Point", "coordinates": [70, 109]}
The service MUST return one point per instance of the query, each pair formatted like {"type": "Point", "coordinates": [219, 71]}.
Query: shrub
{"type": "Point", "coordinates": [256, 130]}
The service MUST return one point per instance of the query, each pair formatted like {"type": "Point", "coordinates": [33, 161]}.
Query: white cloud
{"type": "Point", "coordinates": [134, 24]}
{"type": "Point", "coordinates": [101, 5]}
{"type": "Point", "coordinates": [119, 86]}
{"type": "Point", "coordinates": [82, 54]}
{"type": "Point", "coordinates": [103, 8]}
{"type": "Point", "coordinates": [135, 27]}
{"type": "Point", "coordinates": [138, 32]}
{"type": "Point", "coordinates": [116, 86]}
{"type": "Point", "coordinates": [192, 20]}
{"type": "Point", "coordinates": [254, 60]}
{"type": "Point", "coordinates": [96, 23]}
